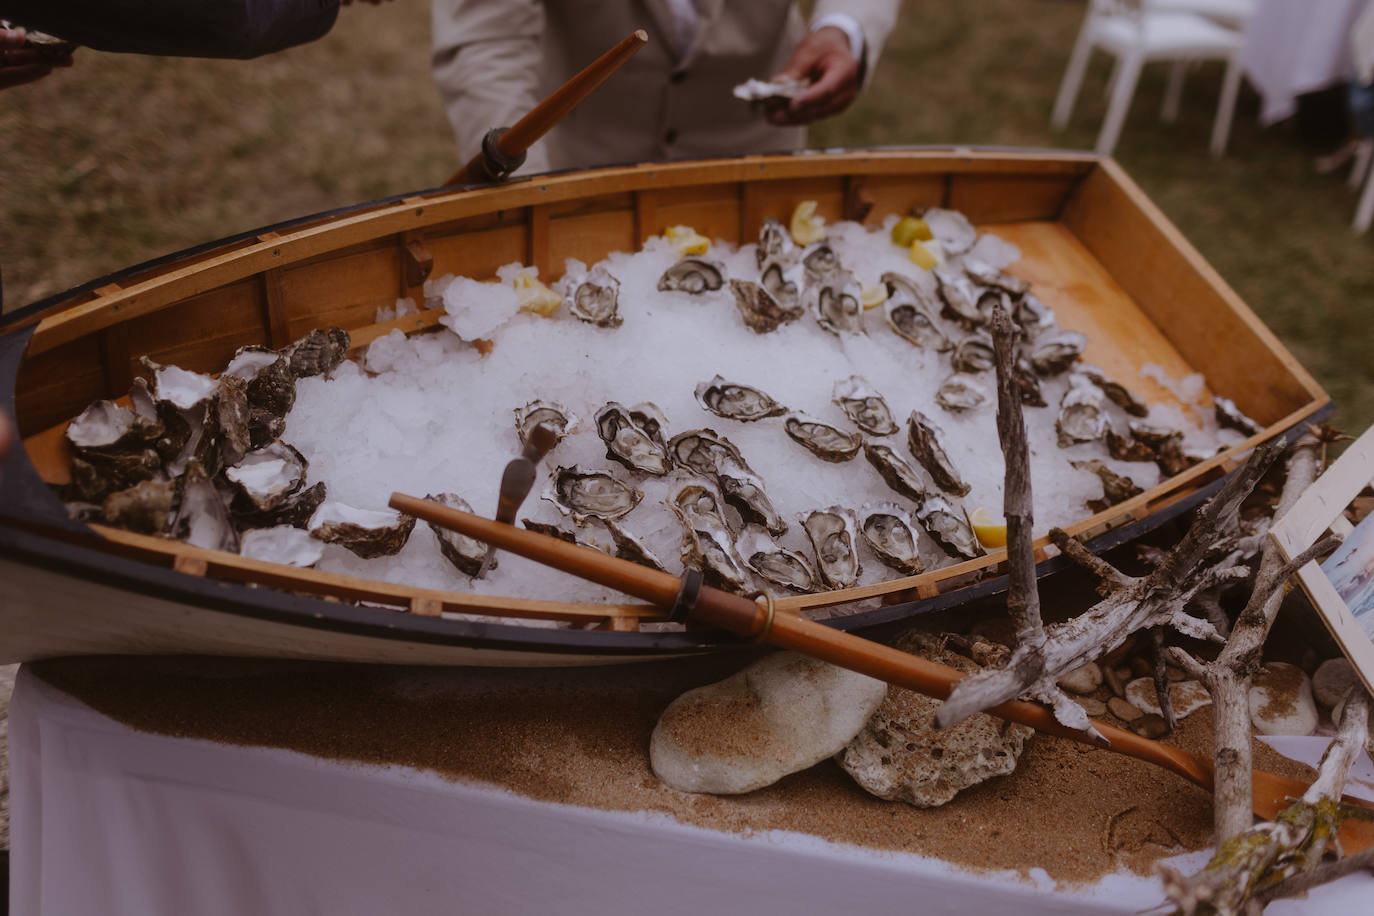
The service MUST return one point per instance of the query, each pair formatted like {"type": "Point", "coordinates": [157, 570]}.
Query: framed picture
{"type": "Point", "coordinates": [1341, 586]}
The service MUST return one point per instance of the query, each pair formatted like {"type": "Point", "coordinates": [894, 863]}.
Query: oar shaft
{"type": "Point", "coordinates": [524, 133]}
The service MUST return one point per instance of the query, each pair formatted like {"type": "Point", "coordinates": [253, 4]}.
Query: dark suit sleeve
{"type": "Point", "coordinates": [182, 28]}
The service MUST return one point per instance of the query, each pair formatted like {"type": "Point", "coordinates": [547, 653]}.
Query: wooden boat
{"type": "Point", "coordinates": [1101, 256]}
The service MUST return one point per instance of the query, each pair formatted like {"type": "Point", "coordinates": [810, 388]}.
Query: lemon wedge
{"type": "Point", "coordinates": [990, 530]}
{"type": "Point", "coordinates": [910, 229]}
{"type": "Point", "coordinates": [534, 296]}
{"type": "Point", "coordinates": [806, 226]}
{"type": "Point", "coordinates": [922, 256]}
{"type": "Point", "coordinates": [872, 296]}
{"type": "Point", "coordinates": [686, 240]}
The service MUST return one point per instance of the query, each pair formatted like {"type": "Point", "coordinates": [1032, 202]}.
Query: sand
{"type": "Point", "coordinates": [580, 736]}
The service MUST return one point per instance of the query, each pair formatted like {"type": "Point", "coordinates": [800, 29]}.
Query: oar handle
{"type": "Point", "coordinates": [512, 143]}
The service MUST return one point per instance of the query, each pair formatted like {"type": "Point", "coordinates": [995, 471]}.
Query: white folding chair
{"type": "Point", "coordinates": [1137, 32]}
{"type": "Point", "coordinates": [1364, 210]}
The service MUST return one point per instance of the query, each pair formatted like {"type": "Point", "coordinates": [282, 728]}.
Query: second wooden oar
{"type": "Point", "coordinates": [503, 151]}
{"type": "Point", "coordinates": [759, 620]}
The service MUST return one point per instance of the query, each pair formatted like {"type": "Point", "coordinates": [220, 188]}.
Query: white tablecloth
{"type": "Point", "coordinates": [107, 820]}
{"type": "Point", "coordinates": [1297, 46]}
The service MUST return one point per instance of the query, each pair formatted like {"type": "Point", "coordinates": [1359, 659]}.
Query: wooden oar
{"type": "Point", "coordinates": [510, 144]}
{"type": "Point", "coordinates": [755, 620]}
{"type": "Point", "coordinates": [516, 481]}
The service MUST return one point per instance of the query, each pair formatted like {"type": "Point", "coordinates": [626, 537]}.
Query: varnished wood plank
{"type": "Point", "coordinates": [588, 237]}
{"type": "Point", "coordinates": [114, 358]}
{"type": "Point", "coordinates": [276, 320]}
{"type": "Point", "coordinates": [537, 240]}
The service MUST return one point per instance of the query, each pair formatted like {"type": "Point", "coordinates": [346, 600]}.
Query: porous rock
{"type": "Point", "coordinates": [1082, 680]}
{"type": "Point", "coordinates": [1281, 701]}
{"type": "Point", "coordinates": [1332, 679]}
{"type": "Point", "coordinates": [780, 715]}
{"type": "Point", "coordinates": [900, 755]}
{"type": "Point", "coordinates": [1188, 697]}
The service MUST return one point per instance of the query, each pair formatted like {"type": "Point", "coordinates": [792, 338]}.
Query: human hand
{"type": "Point", "coordinates": [823, 58]}
{"type": "Point", "coordinates": [20, 63]}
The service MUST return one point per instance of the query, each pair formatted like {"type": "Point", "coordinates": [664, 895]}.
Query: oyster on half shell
{"type": "Point", "coordinates": [984, 274]}
{"type": "Point", "coordinates": [837, 301]}
{"type": "Point", "coordinates": [544, 413]}
{"type": "Point", "coordinates": [590, 494]}
{"type": "Point", "coordinates": [265, 479]}
{"type": "Point", "coordinates": [974, 353]}
{"type": "Point", "coordinates": [862, 403]}
{"type": "Point", "coordinates": [706, 541]}
{"type": "Point", "coordinates": [734, 401]}
{"type": "Point", "coordinates": [961, 391]}
{"type": "Point", "coordinates": [703, 451]}
{"type": "Point", "coordinates": [282, 544]}
{"type": "Point", "coordinates": [634, 437]}
{"type": "Point", "coordinates": [367, 533]}
{"type": "Point", "coordinates": [1116, 488]}
{"type": "Point", "coordinates": [1081, 414]}
{"type": "Point", "coordinates": [775, 245]}
{"type": "Point", "coordinates": [693, 275]}
{"type": "Point", "coordinates": [467, 554]}
{"type": "Point", "coordinates": [834, 537]}
{"type": "Point", "coordinates": [821, 439]}
{"type": "Point", "coordinates": [761, 307]}
{"type": "Point", "coordinates": [888, 530]}
{"type": "Point", "coordinates": [776, 564]}
{"type": "Point", "coordinates": [949, 528]}
{"type": "Point", "coordinates": [895, 471]}
{"type": "Point", "coordinates": [199, 514]}
{"type": "Point", "coordinates": [595, 298]}
{"type": "Point", "coordinates": [628, 547]}
{"type": "Point", "coordinates": [925, 441]}
{"type": "Point", "coordinates": [959, 294]}
{"type": "Point", "coordinates": [1230, 417]}
{"type": "Point", "coordinates": [1056, 352]}
{"type": "Point", "coordinates": [912, 314]}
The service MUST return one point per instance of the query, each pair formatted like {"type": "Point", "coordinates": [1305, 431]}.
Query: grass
{"type": "Point", "coordinates": [124, 158]}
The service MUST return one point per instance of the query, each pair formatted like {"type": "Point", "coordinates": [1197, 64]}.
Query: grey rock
{"type": "Point", "coordinates": [1082, 680]}
{"type": "Point", "coordinates": [1331, 681]}
{"type": "Point", "coordinates": [1281, 701]}
{"type": "Point", "coordinates": [1151, 726]}
{"type": "Point", "coordinates": [1093, 707]}
{"type": "Point", "coordinates": [1188, 697]}
{"type": "Point", "coordinates": [901, 756]}
{"type": "Point", "coordinates": [1123, 710]}
{"type": "Point", "coordinates": [780, 715]}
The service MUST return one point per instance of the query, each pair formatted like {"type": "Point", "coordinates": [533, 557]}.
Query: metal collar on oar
{"type": "Point", "coordinates": [496, 165]}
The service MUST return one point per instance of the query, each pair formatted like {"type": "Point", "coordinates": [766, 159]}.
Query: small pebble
{"type": "Point", "coordinates": [1093, 707]}
{"type": "Point", "coordinates": [1150, 726]}
{"type": "Point", "coordinates": [1332, 679]}
{"type": "Point", "coordinates": [1175, 674]}
{"type": "Point", "coordinates": [1123, 710]}
{"type": "Point", "coordinates": [1188, 697]}
{"type": "Point", "coordinates": [1281, 701]}
{"type": "Point", "coordinates": [1083, 679]}
{"type": "Point", "coordinates": [1141, 667]}
{"type": "Point", "coordinates": [1116, 679]}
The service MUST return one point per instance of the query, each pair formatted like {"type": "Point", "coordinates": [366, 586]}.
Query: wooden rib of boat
{"type": "Point", "coordinates": [1099, 253]}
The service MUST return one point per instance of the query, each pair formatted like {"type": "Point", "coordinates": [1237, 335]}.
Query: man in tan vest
{"type": "Point", "coordinates": [494, 60]}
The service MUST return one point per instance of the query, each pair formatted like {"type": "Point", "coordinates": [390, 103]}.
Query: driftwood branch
{"type": "Point", "coordinates": [1271, 859]}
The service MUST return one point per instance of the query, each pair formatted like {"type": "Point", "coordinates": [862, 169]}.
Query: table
{"type": "Point", "coordinates": [1296, 47]}
{"type": "Point", "coordinates": [112, 820]}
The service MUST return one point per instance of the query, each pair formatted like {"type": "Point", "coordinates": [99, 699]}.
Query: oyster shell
{"type": "Point", "coordinates": [1056, 352]}
{"type": "Point", "coordinates": [467, 554]}
{"type": "Point", "coordinates": [1116, 487]}
{"type": "Point", "coordinates": [952, 228]}
{"type": "Point", "coordinates": [743, 489]}
{"type": "Point", "coordinates": [1153, 436]}
{"type": "Point", "coordinates": [547, 413]}
{"type": "Point", "coordinates": [760, 308]}
{"type": "Point", "coordinates": [186, 404]}
{"type": "Point", "coordinates": [837, 301]}
{"type": "Point", "coordinates": [924, 439]}
{"type": "Point", "coordinates": [888, 530]}
{"type": "Point", "coordinates": [106, 427]}
{"type": "Point", "coordinates": [234, 436]}
{"type": "Point", "coordinates": [637, 444]}
{"type": "Point", "coordinates": [296, 510]}
{"type": "Point", "coordinates": [1127, 448]}
{"type": "Point", "coordinates": [820, 261]}
{"type": "Point", "coordinates": [271, 386]}
{"type": "Point", "coordinates": [1081, 415]}
{"type": "Point", "coordinates": [974, 353]}
{"type": "Point", "coordinates": [862, 403]}
{"type": "Point", "coordinates": [97, 474]}
{"type": "Point", "coordinates": [961, 391]}
{"type": "Point", "coordinates": [266, 478]}
{"type": "Point", "coordinates": [757, 90]}
{"type": "Point", "coordinates": [144, 507]}
{"type": "Point", "coordinates": [896, 473]}
{"type": "Point", "coordinates": [706, 543]}
{"type": "Point", "coordinates": [911, 313]}
{"type": "Point", "coordinates": [282, 544]}
{"type": "Point", "coordinates": [1230, 417]}
{"type": "Point", "coordinates": [984, 274]}
{"type": "Point", "coordinates": [775, 564]}
{"type": "Point", "coordinates": [693, 275]}
{"type": "Point", "coordinates": [1027, 382]}
{"type": "Point", "coordinates": [949, 528]}
{"type": "Point", "coordinates": [552, 531]}
{"type": "Point", "coordinates": [367, 533]}
{"type": "Point", "coordinates": [628, 547]}
{"type": "Point", "coordinates": [199, 515]}
{"type": "Point", "coordinates": [821, 439]}
{"type": "Point", "coordinates": [834, 537]}
{"type": "Point", "coordinates": [703, 451]}
{"type": "Point", "coordinates": [734, 401]}
{"type": "Point", "coordinates": [989, 300]}
{"type": "Point", "coordinates": [959, 295]}
{"type": "Point", "coordinates": [1032, 316]}
{"type": "Point", "coordinates": [318, 353]}
{"type": "Point", "coordinates": [595, 299]}
{"type": "Point", "coordinates": [775, 246]}
{"type": "Point", "coordinates": [1117, 393]}
{"type": "Point", "coordinates": [590, 494]}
